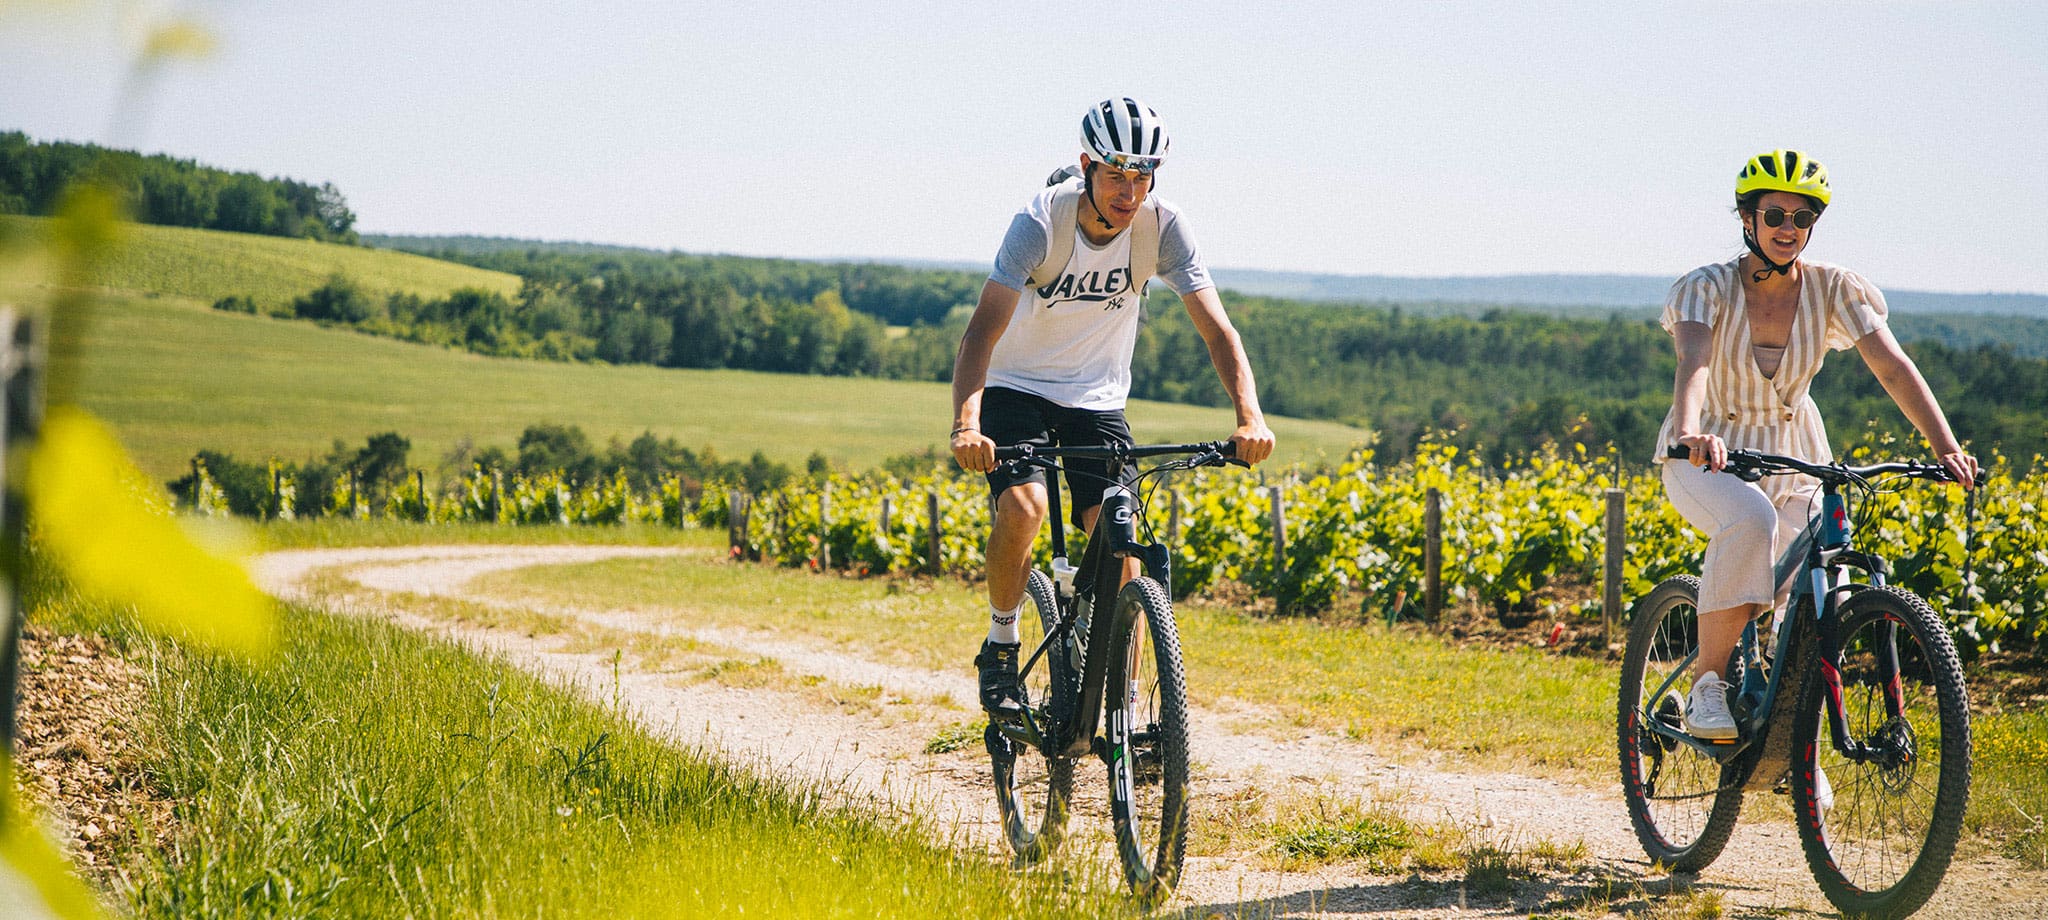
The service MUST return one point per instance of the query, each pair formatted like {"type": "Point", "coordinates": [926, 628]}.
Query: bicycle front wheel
{"type": "Point", "coordinates": [1145, 709]}
{"type": "Point", "coordinates": [1682, 802]}
{"type": "Point", "coordinates": [1032, 790]}
{"type": "Point", "coordinates": [1881, 846]}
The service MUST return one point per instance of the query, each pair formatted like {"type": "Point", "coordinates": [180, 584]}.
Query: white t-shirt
{"type": "Point", "coordinates": [1070, 341]}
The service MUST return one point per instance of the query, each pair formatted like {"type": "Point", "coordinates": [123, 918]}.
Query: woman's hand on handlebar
{"type": "Point", "coordinates": [1962, 468]}
{"type": "Point", "coordinates": [974, 451]}
{"type": "Point", "coordinates": [1253, 442]}
{"type": "Point", "coordinates": [1707, 450]}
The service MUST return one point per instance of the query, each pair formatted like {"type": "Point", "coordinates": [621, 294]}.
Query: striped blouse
{"type": "Point", "coordinates": [1772, 414]}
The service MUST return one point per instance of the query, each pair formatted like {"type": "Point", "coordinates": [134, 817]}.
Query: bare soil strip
{"type": "Point", "coordinates": [862, 728]}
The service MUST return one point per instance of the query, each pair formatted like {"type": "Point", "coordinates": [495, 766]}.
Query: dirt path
{"type": "Point", "coordinates": [875, 751]}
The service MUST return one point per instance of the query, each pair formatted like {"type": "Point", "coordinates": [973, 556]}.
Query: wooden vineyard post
{"type": "Point", "coordinates": [1433, 555]}
{"type": "Point", "coordinates": [824, 528]}
{"type": "Point", "coordinates": [419, 481]}
{"type": "Point", "coordinates": [1279, 532]}
{"type": "Point", "coordinates": [22, 349]}
{"type": "Point", "coordinates": [1172, 517]}
{"type": "Point", "coordinates": [736, 513]}
{"type": "Point", "coordinates": [1610, 571]}
{"type": "Point", "coordinates": [931, 507]}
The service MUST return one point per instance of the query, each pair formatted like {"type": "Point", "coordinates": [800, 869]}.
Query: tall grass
{"type": "Point", "coordinates": [368, 772]}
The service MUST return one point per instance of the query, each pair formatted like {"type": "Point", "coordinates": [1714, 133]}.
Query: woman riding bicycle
{"type": "Point", "coordinates": [1751, 334]}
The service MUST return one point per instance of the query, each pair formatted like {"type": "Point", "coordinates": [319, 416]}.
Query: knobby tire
{"type": "Point", "coordinates": [1682, 803]}
{"type": "Point", "coordinates": [1145, 711]}
{"type": "Point", "coordinates": [1883, 847]}
{"type": "Point", "coordinates": [1035, 792]}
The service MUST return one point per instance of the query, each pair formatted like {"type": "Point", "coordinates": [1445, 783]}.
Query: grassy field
{"type": "Point", "coordinates": [473, 789]}
{"type": "Point", "coordinates": [206, 265]}
{"type": "Point", "coordinates": [173, 377]}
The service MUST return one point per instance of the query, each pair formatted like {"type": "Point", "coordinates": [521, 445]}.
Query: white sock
{"type": "Point", "coordinates": [1002, 624]}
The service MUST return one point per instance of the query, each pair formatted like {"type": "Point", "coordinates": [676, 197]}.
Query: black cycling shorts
{"type": "Point", "coordinates": [1010, 417]}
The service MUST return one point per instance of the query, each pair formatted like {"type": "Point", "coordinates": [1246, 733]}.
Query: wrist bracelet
{"type": "Point", "coordinates": [957, 431]}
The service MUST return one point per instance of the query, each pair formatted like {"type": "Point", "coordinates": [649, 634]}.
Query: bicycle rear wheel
{"type": "Point", "coordinates": [1883, 846]}
{"type": "Point", "coordinates": [1145, 710]}
{"type": "Point", "coordinates": [1033, 790]}
{"type": "Point", "coordinates": [1682, 802]}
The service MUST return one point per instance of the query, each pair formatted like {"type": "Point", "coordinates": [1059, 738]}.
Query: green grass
{"type": "Point", "coordinates": [369, 772]}
{"type": "Point", "coordinates": [173, 377]}
{"type": "Point", "coordinates": [206, 265]}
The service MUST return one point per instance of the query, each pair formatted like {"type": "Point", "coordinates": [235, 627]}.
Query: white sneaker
{"type": "Point", "coordinates": [1706, 709]}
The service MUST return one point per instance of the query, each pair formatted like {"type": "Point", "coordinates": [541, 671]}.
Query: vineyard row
{"type": "Point", "coordinates": [1527, 537]}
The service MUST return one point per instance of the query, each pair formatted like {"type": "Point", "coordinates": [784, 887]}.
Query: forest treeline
{"type": "Point", "coordinates": [159, 189]}
{"type": "Point", "coordinates": [1503, 379]}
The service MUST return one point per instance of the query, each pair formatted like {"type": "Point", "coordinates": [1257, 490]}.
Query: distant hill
{"type": "Point", "coordinates": [1549, 293]}
{"type": "Point", "coordinates": [1604, 292]}
{"type": "Point", "coordinates": [206, 265]}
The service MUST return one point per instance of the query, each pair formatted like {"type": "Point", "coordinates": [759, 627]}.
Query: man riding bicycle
{"type": "Point", "coordinates": [1058, 371]}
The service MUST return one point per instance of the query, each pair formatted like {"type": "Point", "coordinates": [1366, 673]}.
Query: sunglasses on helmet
{"type": "Point", "coordinates": [1141, 165]}
{"type": "Point", "coordinates": [1802, 218]}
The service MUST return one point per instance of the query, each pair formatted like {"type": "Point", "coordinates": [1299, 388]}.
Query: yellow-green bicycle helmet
{"type": "Point", "coordinates": [1783, 171]}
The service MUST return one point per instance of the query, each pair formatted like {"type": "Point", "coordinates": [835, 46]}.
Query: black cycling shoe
{"type": "Point", "coordinates": [999, 693]}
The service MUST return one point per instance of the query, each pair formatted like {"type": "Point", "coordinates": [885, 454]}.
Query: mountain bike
{"type": "Point", "coordinates": [1879, 797]}
{"type": "Point", "coordinates": [1123, 668]}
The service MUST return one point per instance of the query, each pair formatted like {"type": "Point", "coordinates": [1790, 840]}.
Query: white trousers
{"type": "Point", "coordinates": [1745, 530]}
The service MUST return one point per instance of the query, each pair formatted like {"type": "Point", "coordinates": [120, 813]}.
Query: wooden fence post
{"type": "Point", "coordinates": [419, 481]}
{"type": "Point", "coordinates": [1433, 555]}
{"type": "Point", "coordinates": [885, 515]}
{"type": "Point", "coordinates": [1610, 571]}
{"type": "Point", "coordinates": [736, 521]}
{"type": "Point", "coordinates": [1279, 532]}
{"type": "Point", "coordinates": [1173, 517]}
{"type": "Point", "coordinates": [276, 509]}
{"type": "Point", "coordinates": [931, 506]}
{"type": "Point", "coordinates": [497, 495]}
{"type": "Point", "coordinates": [824, 528]}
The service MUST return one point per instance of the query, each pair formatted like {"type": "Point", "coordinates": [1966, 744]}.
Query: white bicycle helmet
{"type": "Point", "coordinates": [1126, 134]}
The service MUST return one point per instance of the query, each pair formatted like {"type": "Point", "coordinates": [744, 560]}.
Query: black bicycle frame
{"type": "Point", "coordinates": [1114, 538]}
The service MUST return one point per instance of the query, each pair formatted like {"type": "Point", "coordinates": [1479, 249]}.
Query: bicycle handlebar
{"type": "Point", "coordinates": [1207, 452]}
{"type": "Point", "coordinates": [1750, 464]}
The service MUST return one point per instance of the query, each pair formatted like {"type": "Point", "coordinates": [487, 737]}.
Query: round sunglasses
{"type": "Point", "coordinates": [1802, 218]}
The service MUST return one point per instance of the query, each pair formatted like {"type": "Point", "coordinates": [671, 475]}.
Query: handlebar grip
{"type": "Point", "coordinates": [1678, 452]}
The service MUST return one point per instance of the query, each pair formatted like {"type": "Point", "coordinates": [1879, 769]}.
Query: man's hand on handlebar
{"type": "Point", "coordinates": [1254, 442]}
{"type": "Point", "coordinates": [974, 451]}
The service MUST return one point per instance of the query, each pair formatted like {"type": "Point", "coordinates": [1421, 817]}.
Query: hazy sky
{"type": "Point", "coordinates": [1413, 138]}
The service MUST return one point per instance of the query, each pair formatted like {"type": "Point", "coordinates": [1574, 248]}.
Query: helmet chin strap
{"type": "Point", "coordinates": [1749, 239]}
{"type": "Point", "coordinates": [1088, 180]}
